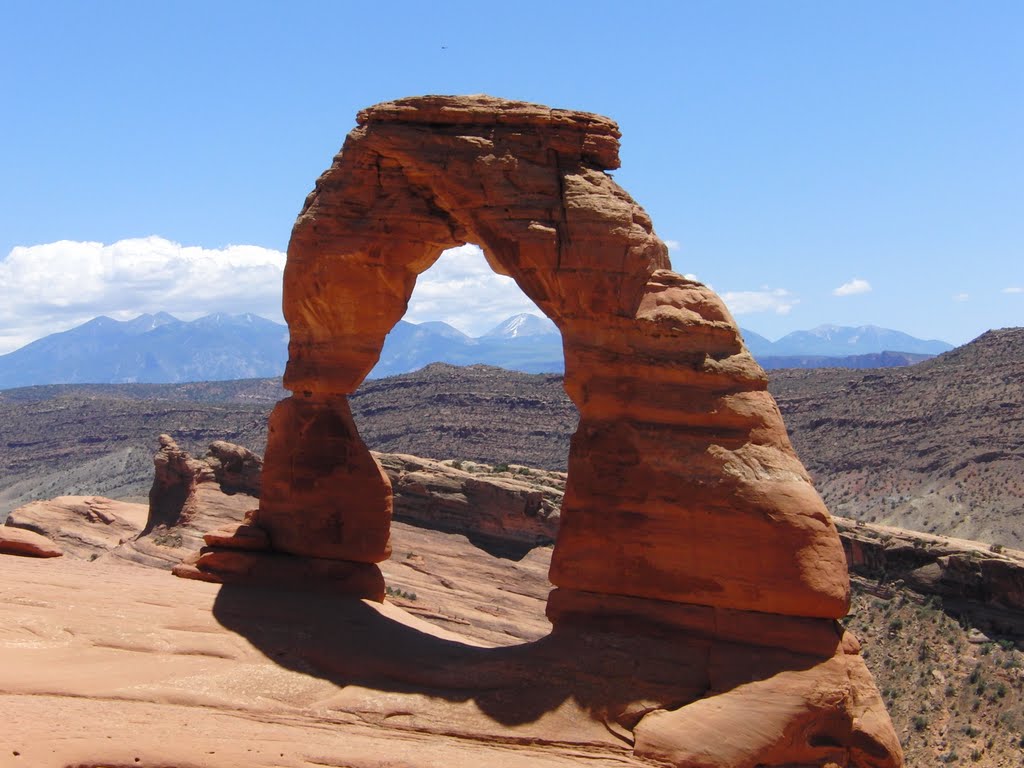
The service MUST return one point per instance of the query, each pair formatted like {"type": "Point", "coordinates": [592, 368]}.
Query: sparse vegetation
{"type": "Point", "coordinates": [165, 538]}
{"type": "Point", "coordinates": [401, 594]}
{"type": "Point", "coordinates": [944, 693]}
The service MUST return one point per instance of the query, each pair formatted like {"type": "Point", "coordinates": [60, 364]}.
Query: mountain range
{"type": "Point", "coordinates": [841, 341]}
{"type": "Point", "coordinates": [160, 348]}
{"type": "Point", "coordinates": [151, 348]}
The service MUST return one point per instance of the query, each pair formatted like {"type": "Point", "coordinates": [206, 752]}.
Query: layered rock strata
{"type": "Point", "coordinates": [683, 489]}
{"type": "Point", "coordinates": [502, 514]}
{"type": "Point", "coordinates": [82, 526]}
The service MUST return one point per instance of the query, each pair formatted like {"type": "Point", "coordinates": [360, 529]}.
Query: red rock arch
{"type": "Point", "coordinates": [682, 485]}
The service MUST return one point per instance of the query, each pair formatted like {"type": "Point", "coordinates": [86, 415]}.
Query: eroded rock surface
{"type": "Point", "coordinates": [680, 449]}
{"type": "Point", "coordinates": [83, 526]}
{"type": "Point", "coordinates": [189, 497]}
{"type": "Point", "coordinates": [223, 676]}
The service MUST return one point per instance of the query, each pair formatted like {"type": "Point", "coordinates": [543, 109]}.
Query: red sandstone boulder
{"type": "Point", "coordinates": [15, 541]}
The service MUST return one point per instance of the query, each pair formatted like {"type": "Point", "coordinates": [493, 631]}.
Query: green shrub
{"type": "Point", "coordinates": [400, 593]}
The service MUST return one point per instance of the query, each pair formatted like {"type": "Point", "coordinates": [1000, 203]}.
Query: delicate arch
{"type": "Point", "coordinates": [682, 483]}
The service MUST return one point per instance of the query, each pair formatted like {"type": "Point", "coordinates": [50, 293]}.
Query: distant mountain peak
{"type": "Point", "coordinates": [151, 348]}
{"type": "Point", "coordinates": [840, 340]}
{"type": "Point", "coordinates": [523, 324]}
{"type": "Point", "coordinates": [145, 323]}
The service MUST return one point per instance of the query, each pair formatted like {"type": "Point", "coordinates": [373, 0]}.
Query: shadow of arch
{"type": "Point", "coordinates": [615, 671]}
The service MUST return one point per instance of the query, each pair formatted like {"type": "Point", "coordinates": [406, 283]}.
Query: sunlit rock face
{"type": "Point", "coordinates": [685, 503]}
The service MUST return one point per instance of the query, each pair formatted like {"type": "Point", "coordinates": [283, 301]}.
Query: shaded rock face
{"type": "Point", "coordinates": [684, 495]}
{"type": "Point", "coordinates": [236, 469]}
{"type": "Point", "coordinates": [982, 583]}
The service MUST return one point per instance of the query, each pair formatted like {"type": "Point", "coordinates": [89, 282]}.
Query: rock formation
{"type": "Point", "coordinates": [501, 514]}
{"type": "Point", "coordinates": [17, 541]}
{"type": "Point", "coordinates": [685, 507]}
{"type": "Point", "coordinates": [236, 469]}
{"type": "Point", "coordinates": [679, 444]}
{"type": "Point", "coordinates": [83, 526]}
{"type": "Point", "coordinates": [189, 497]}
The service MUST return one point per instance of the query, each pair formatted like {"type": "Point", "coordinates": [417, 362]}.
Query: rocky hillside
{"type": "Point", "coordinates": [478, 413]}
{"type": "Point", "coordinates": [937, 447]}
{"type": "Point", "coordinates": [70, 442]}
{"type": "Point", "coordinates": [98, 439]}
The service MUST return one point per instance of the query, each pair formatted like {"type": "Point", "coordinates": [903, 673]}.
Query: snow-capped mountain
{"type": "Point", "coordinates": [837, 340]}
{"type": "Point", "coordinates": [522, 325]}
{"type": "Point", "coordinates": [151, 349]}
{"type": "Point", "coordinates": [160, 348]}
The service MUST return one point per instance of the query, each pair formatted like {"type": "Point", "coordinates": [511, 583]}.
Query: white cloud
{"type": "Point", "coordinates": [56, 286]}
{"type": "Point", "coordinates": [961, 296]}
{"type": "Point", "coordinates": [672, 245]}
{"type": "Point", "coordinates": [777, 300]}
{"type": "Point", "coordinates": [462, 290]}
{"type": "Point", "coordinates": [1013, 289]}
{"type": "Point", "coordinates": [853, 287]}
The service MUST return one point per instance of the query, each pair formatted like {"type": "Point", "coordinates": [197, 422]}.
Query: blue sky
{"type": "Point", "coordinates": [785, 149]}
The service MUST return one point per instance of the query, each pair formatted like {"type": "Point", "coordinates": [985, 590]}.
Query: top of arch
{"type": "Point", "coordinates": [594, 137]}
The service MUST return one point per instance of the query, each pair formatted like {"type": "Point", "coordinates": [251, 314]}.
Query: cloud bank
{"type": "Point", "coordinates": [461, 290]}
{"type": "Point", "coordinates": [56, 286]}
{"type": "Point", "coordinates": [852, 288]}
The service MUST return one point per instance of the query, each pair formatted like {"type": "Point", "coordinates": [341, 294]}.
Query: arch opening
{"type": "Point", "coordinates": [461, 312]}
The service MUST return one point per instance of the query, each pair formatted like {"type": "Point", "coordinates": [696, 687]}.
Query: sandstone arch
{"type": "Point", "coordinates": [682, 482]}
{"type": "Point", "coordinates": [690, 530]}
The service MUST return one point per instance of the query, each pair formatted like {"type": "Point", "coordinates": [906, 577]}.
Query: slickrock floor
{"type": "Point", "coordinates": [108, 664]}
